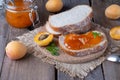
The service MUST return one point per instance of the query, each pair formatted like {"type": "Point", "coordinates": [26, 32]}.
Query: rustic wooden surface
{"type": "Point", "coordinates": [32, 68]}
{"type": "Point", "coordinates": [111, 71]}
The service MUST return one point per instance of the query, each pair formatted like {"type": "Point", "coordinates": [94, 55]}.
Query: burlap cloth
{"type": "Point", "coordinates": [80, 70]}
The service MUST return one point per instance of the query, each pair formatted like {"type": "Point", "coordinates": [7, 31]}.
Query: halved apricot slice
{"type": "Point", "coordinates": [43, 38]}
{"type": "Point", "coordinates": [115, 33]}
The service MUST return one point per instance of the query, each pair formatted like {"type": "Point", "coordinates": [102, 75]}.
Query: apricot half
{"type": "Point", "coordinates": [115, 33]}
{"type": "Point", "coordinates": [43, 38]}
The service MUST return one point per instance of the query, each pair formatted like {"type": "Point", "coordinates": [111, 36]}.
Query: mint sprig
{"type": "Point", "coordinates": [95, 34]}
{"type": "Point", "coordinates": [53, 49]}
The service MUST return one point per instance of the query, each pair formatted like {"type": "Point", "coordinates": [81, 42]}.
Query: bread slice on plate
{"type": "Point", "coordinates": [94, 51]}
{"type": "Point", "coordinates": [77, 19]}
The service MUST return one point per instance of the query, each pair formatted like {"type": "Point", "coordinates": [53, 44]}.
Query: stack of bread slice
{"type": "Point", "coordinates": [76, 20]}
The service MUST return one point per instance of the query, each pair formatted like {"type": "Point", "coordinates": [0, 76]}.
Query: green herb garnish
{"type": "Point", "coordinates": [52, 47]}
{"type": "Point", "coordinates": [95, 34]}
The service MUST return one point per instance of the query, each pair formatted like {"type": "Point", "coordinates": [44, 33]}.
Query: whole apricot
{"type": "Point", "coordinates": [54, 5]}
{"type": "Point", "coordinates": [15, 50]}
{"type": "Point", "coordinates": [113, 11]}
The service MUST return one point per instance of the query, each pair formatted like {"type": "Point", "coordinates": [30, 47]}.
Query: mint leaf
{"type": "Point", "coordinates": [53, 49]}
{"type": "Point", "coordinates": [95, 34]}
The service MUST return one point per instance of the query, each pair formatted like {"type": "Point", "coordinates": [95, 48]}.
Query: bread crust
{"type": "Point", "coordinates": [52, 32]}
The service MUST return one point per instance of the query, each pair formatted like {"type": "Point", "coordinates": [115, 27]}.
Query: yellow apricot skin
{"type": "Point", "coordinates": [115, 33]}
{"type": "Point", "coordinates": [45, 41]}
{"type": "Point", "coordinates": [113, 11]}
{"type": "Point", "coordinates": [15, 50]}
{"type": "Point", "coordinates": [54, 5]}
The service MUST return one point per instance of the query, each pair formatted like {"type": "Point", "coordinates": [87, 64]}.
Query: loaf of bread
{"type": "Point", "coordinates": [77, 19]}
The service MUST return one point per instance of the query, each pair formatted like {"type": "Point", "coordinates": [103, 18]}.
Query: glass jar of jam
{"type": "Point", "coordinates": [20, 13]}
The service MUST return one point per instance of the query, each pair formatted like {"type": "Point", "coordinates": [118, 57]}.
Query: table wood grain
{"type": "Point", "coordinates": [99, 16]}
{"type": "Point", "coordinates": [32, 68]}
{"type": "Point", "coordinates": [111, 70]}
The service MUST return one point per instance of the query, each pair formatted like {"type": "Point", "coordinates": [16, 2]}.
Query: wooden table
{"type": "Point", "coordinates": [32, 68]}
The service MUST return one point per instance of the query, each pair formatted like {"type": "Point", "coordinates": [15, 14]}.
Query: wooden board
{"type": "Point", "coordinates": [66, 58]}
{"type": "Point", "coordinates": [111, 70]}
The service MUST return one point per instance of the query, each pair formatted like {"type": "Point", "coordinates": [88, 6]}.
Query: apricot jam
{"type": "Point", "coordinates": [18, 13]}
{"type": "Point", "coordinates": [77, 42]}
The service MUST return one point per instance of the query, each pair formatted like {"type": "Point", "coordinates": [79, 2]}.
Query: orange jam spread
{"type": "Point", "coordinates": [17, 13]}
{"type": "Point", "coordinates": [77, 42]}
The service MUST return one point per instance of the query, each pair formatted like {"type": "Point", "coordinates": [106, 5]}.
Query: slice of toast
{"type": "Point", "coordinates": [98, 48]}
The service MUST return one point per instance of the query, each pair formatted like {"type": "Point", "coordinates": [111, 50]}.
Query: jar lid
{"type": "Point", "coordinates": [19, 5]}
